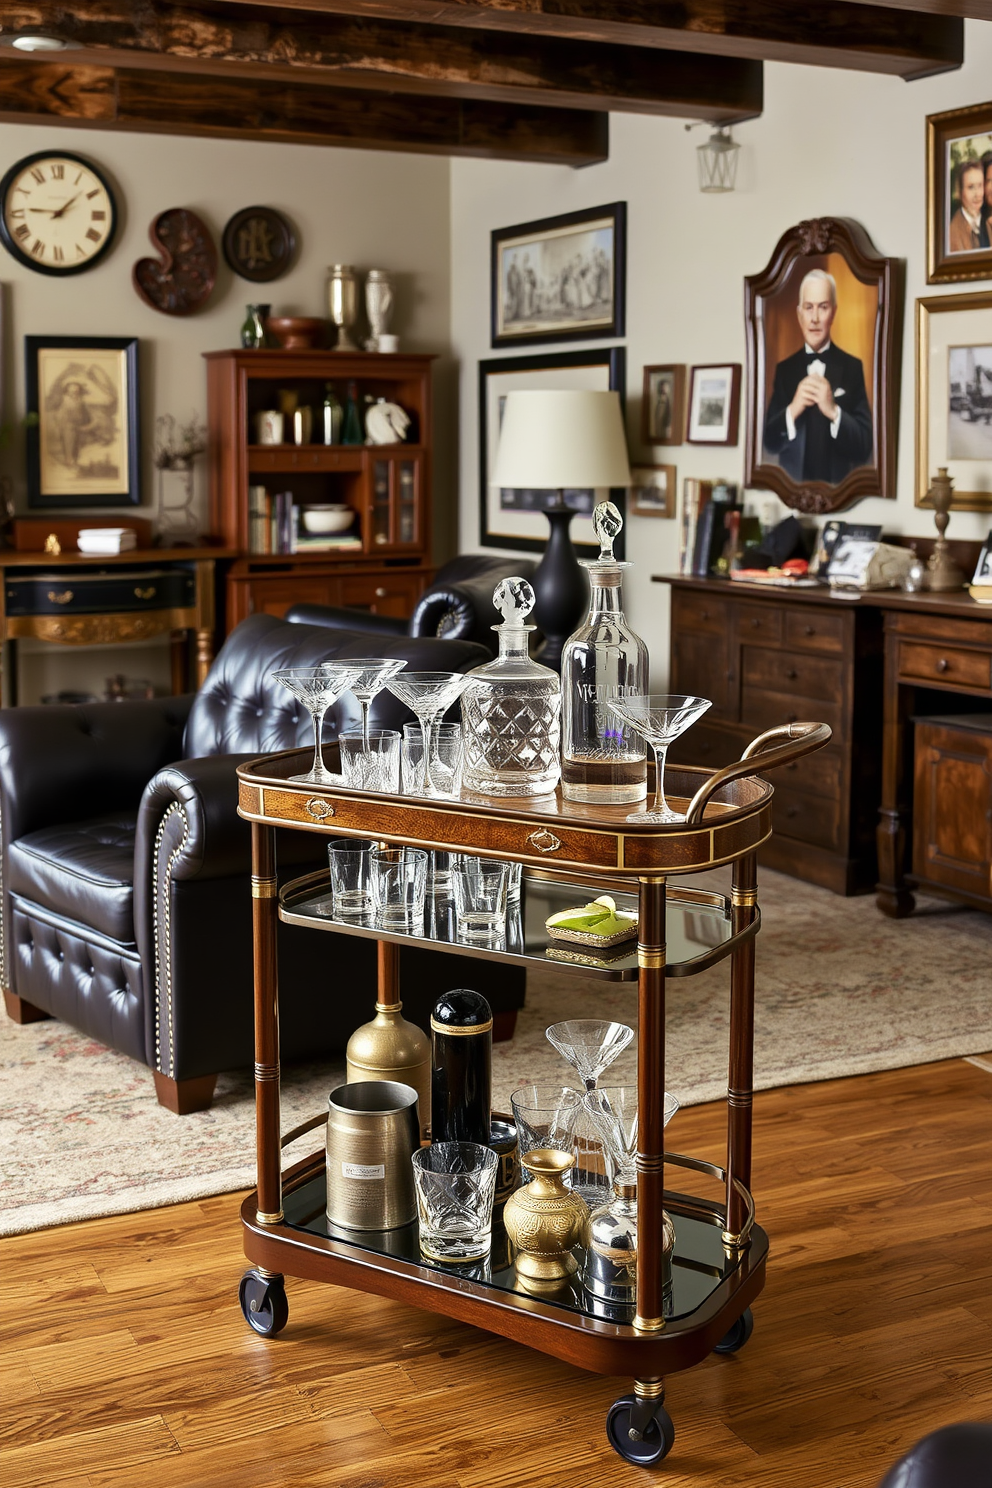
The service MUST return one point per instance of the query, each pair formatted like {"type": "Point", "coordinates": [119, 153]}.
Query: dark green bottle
{"type": "Point", "coordinates": [352, 431]}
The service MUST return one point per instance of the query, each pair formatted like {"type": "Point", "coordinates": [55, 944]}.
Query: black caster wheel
{"type": "Point", "coordinates": [647, 1448]}
{"type": "Point", "coordinates": [263, 1302]}
{"type": "Point", "coordinates": [736, 1337]}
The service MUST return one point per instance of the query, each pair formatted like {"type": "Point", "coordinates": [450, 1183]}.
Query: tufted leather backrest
{"type": "Point", "coordinates": [241, 709]}
{"type": "Point", "coordinates": [460, 600]}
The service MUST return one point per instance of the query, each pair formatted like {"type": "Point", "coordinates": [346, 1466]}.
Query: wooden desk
{"type": "Point", "coordinates": [76, 599]}
{"type": "Point", "coordinates": [863, 665]}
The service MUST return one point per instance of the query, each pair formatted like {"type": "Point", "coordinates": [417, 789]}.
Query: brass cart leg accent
{"type": "Point", "coordinates": [265, 923]}
{"type": "Point", "coordinates": [650, 1104]}
{"type": "Point", "coordinates": [740, 1080]}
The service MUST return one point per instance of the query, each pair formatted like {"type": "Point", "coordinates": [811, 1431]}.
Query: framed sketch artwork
{"type": "Point", "coordinates": [82, 435]}
{"type": "Point", "coordinates": [823, 325]}
{"type": "Point", "coordinates": [959, 194]}
{"type": "Point", "coordinates": [663, 405]}
{"type": "Point", "coordinates": [954, 397]}
{"type": "Point", "coordinates": [559, 279]}
{"type": "Point", "coordinates": [510, 518]}
{"type": "Point", "coordinates": [714, 404]}
{"type": "Point", "coordinates": [652, 490]}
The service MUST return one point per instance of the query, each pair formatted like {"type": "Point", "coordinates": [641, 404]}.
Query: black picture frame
{"type": "Point", "coordinates": [552, 238]}
{"type": "Point", "coordinates": [600, 368]}
{"type": "Point", "coordinates": [106, 367]}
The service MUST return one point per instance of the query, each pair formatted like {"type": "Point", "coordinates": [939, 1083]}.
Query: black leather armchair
{"type": "Point", "coordinates": [126, 906]}
{"type": "Point", "coordinates": [457, 606]}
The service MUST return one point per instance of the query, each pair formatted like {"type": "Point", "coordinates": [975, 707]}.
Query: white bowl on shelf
{"type": "Point", "coordinates": [324, 519]}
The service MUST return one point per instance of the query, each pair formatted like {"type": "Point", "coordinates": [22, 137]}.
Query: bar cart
{"type": "Point", "coordinates": [720, 1253]}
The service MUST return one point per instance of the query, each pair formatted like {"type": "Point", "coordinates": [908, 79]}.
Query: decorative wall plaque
{"type": "Point", "coordinates": [181, 280]}
{"type": "Point", "coordinates": [258, 244]}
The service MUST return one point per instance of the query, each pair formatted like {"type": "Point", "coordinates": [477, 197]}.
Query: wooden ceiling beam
{"type": "Point", "coordinates": [836, 33]}
{"type": "Point", "coordinates": [442, 61]}
{"type": "Point", "coordinates": [968, 10]}
{"type": "Point", "coordinates": [296, 113]}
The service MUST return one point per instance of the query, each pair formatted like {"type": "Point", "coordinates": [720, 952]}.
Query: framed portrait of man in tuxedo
{"type": "Point", "coordinates": [823, 340]}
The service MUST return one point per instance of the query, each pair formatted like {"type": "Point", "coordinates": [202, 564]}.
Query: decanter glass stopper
{"type": "Point", "coordinates": [514, 598]}
{"type": "Point", "coordinates": [607, 523]}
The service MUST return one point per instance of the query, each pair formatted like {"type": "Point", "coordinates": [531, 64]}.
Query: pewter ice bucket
{"type": "Point", "coordinates": [373, 1130]}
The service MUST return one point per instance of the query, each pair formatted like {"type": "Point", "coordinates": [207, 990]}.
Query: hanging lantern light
{"type": "Point", "coordinates": [717, 160]}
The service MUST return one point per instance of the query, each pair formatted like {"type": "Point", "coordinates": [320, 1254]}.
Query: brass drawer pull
{"type": "Point", "coordinates": [381, 593]}
{"type": "Point", "coordinates": [544, 841]}
{"type": "Point", "coordinates": [148, 593]}
{"type": "Point", "coordinates": [64, 598]}
{"type": "Point", "coordinates": [943, 665]}
{"type": "Point", "coordinates": [318, 809]}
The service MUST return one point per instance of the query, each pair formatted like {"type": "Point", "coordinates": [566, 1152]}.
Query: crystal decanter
{"type": "Point", "coordinates": [511, 710]}
{"type": "Point", "coordinates": [603, 759]}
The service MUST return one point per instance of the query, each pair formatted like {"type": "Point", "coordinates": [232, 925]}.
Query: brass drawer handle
{"type": "Point", "coordinates": [64, 598]}
{"type": "Point", "coordinates": [318, 809]}
{"type": "Point", "coordinates": [544, 841]}
{"type": "Point", "coordinates": [148, 593]}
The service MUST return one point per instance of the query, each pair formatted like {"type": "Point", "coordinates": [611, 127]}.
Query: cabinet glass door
{"type": "Point", "coordinates": [395, 500]}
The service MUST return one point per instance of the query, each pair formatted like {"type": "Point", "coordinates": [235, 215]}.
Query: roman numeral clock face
{"type": "Point", "coordinates": [57, 213]}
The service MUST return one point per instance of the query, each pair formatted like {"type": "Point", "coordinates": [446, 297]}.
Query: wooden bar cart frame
{"type": "Point", "coordinates": [728, 817]}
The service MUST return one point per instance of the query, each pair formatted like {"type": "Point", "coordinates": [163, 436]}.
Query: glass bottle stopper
{"type": "Point", "coordinates": [607, 525]}
{"type": "Point", "coordinates": [514, 598]}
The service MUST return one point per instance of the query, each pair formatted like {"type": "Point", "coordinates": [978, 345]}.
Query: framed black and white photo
{"type": "Point", "coordinates": [82, 425]}
{"type": "Point", "coordinates": [663, 404]}
{"type": "Point", "coordinates": [559, 279]}
{"type": "Point", "coordinates": [652, 490]}
{"type": "Point", "coordinates": [954, 397]}
{"type": "Point", "coordinates": [510, 518]}
{"type": "Point", "coordinates": [714, 404]}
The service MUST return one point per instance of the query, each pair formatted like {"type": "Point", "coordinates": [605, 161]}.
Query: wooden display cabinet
{"type": "Point", "coordinates": [387, 486]}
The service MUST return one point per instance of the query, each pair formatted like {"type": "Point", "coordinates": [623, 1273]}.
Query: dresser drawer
{"type": "Point", "coordinates": [699, 612]}
{"type": "Point", "coordinates": [812, 819]}
{"type": "Point", "coordinates": [72, 591]}
{"type": "Point", "coordinates": [936, 663]}
{"type": "Point", "coordinates": [819, 774]}
{"type": "Point", "coordinates": [759, 623]}
{"type": "Point", "coordinates": [816, 630]}
{"type": "Point", "coordinates": [762, 710]}
{"type": "Point", "coordinates": [789, 671]}
{"type": "Point", "coordinates": [700, 668]}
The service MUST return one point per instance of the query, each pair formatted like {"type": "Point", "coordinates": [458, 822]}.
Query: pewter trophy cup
{"type": "Point", "coordinates": [342, 303]}
{"type": "Point", "coordinates": [378, 305]}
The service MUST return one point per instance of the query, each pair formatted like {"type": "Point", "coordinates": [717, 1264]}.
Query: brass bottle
{"type": "Point", "coordinates": [392, 1048]}
{"type": "Point", "coordinates": [544, 1220]}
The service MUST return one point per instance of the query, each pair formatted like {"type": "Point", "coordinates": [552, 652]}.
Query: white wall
{"type": "Point", "coordinates": [364, 207]}
{"type": "Point", "coordinates": [829, 143]}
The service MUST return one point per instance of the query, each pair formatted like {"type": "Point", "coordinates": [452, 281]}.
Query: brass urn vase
{"type": "Point", "coordinates": [545, 1220]}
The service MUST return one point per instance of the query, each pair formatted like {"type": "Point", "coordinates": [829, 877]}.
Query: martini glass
{"type": "Point", "coordinates": [374, 673]}
{"type": "Point", "coordinates": [429, 695]}
{"type": "Point", "coordinates": [590, 1045]}
{"type": "Point", "coordinates": [317, 688]}
{"type": "Point", "coordinates": [660, 717]}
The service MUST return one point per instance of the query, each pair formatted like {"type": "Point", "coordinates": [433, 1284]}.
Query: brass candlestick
{"type": "Point", "coordinates": [943, 573]}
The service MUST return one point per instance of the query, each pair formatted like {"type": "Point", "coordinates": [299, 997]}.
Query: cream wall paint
{"type": "Point", "coordinates": [829, 143]}
{"type": "Point", "coordinates": [368, 208]}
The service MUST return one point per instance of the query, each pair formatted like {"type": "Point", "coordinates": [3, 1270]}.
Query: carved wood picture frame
{"type": "Point", "coordinates": [826, 467]}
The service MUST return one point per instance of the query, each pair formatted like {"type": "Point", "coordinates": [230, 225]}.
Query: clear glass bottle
{"type": "Point", "coordinates": [333, 415]}
{"type": "Point", "coordinates": [511, 710]}
{"type": "Point", "coordinates": [602, 760]}
{"type": "Point", "coordinates": [352, 431]}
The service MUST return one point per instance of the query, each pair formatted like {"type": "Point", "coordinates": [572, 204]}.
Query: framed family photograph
{"type": "Point", "coordinates": [954, 397]}
{"type": "Point", "coordinates": [82, 427]}
{"type": "Point", "coordinates": [560, 279]}
{"type": "Point", "coordinates": [959, 194]}
{"type": "Point", "coordinates": [511, 518]}
{"type": "Point", "coordinates": [714, 404]}
{"type": "Point", "coordinates": [663, 405]}
{"type": "Point", "coordinates": [652, 490]}
{"type": "Point", "coordinates": [823, 323]}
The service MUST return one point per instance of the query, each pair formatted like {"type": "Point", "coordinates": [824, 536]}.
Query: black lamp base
{"type": "Point", "coordinates": [561, 589]}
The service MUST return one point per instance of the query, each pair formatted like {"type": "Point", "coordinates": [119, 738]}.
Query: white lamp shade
{"type": "Point", "coordinates": [557, 439]}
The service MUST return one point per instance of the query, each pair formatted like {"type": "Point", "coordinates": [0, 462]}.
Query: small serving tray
{"type": "Point", "coordinates": [590, 938]}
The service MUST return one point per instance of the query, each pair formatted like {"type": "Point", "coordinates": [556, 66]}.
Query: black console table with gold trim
{"type": "Point", "coordinates": [76, 599]}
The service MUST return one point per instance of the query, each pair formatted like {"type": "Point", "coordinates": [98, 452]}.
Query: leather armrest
{"type": "Point", "coordinates": [338, 618]}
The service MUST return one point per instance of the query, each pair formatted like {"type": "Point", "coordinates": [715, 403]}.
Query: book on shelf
{"type": "Point", "coordinates": [327, 543]}
{"type": "Point", "coordinates": [711, 528]}
{"type": "Point", "coordinates": [271, 521]}
{"type": "Point", "coordinates": [695, 495]}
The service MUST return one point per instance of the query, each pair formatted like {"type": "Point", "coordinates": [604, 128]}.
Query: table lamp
{"type": "Point", "coordinates": [560, 440]}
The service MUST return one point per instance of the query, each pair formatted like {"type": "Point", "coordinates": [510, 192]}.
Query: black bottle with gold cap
{"type": "Point", "coordinates": [461, 1068]}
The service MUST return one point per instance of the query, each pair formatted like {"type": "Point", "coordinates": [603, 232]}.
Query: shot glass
{"type": "Point", "coordinates": [375, 768]}
{"type": "Point", "coordinates": [479, 889]}
{"type": "Point", "coordinates": [455, 1184]}
{"type": "Point", "coordinates": [399, 887]}
{"type": "Point", "coordinates": [446, 764]}
{"type": "Point", "coordinates": [351, 893]}
{"type": "Point", "coordinates": [545, 1117]}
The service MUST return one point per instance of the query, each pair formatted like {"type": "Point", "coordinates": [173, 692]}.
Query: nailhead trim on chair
{"type": "Point", "coordinates": [162, 929]}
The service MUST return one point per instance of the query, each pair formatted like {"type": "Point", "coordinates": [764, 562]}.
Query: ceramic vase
{"type": "Point", "coordinates": [378, 305]}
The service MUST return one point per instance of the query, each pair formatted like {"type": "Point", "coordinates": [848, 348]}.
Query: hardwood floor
{"type": "Point", "coordinates": [124, 1359]}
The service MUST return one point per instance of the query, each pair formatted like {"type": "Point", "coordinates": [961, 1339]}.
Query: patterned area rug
{"type": "Point", "coordinates": [840, 991]}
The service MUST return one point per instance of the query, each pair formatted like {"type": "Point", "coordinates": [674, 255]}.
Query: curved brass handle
{"type": "Point", "coordinates": [64, 598]}
{"type": "Point", "coordinates": [148, 593]}
{"type": "Point", "coordinates": [318, 809]}
{"type": "Point", "coordinates": [801, 738]}
{"type": "Point", "coordinates": [544, 841]}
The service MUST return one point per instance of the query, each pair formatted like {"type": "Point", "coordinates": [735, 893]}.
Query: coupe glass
{"type": "Point", "coordinates": [659, 717]}
{"type": "Point", "coordinates": [429, 695]}
{"type": "Point", "coordinates": [317, 688]}
{"type": "Point", "coordinates": [590, 1045]}
{"type": "Point", "coordinates": [374, 673]}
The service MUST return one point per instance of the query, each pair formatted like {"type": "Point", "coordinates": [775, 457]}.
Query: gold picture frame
{"type": "Point", "coordinates": [953, 422]}
{"type": "Point", "coordinates": [956, 139]}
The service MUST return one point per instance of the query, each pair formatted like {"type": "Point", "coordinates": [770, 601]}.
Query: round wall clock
{"type": "Point", "coordinates": [57, 212]}
{"type": "Point", "coordinates": [259, 244]}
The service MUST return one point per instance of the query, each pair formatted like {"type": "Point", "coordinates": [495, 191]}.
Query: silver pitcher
{"type": "Point", "coordinates": [342, 303]}
{"type": "Point", "coordinates": [373, 1130]}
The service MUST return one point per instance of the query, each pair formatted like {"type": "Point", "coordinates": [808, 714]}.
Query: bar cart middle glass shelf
{"type": "Point", "coordinates": [718, 1266]}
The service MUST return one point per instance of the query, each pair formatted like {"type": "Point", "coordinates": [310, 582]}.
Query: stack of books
{"type": "Point", "coordinates": [710, 515]}
{"type": "Point", "coordinates": [274, 527]}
